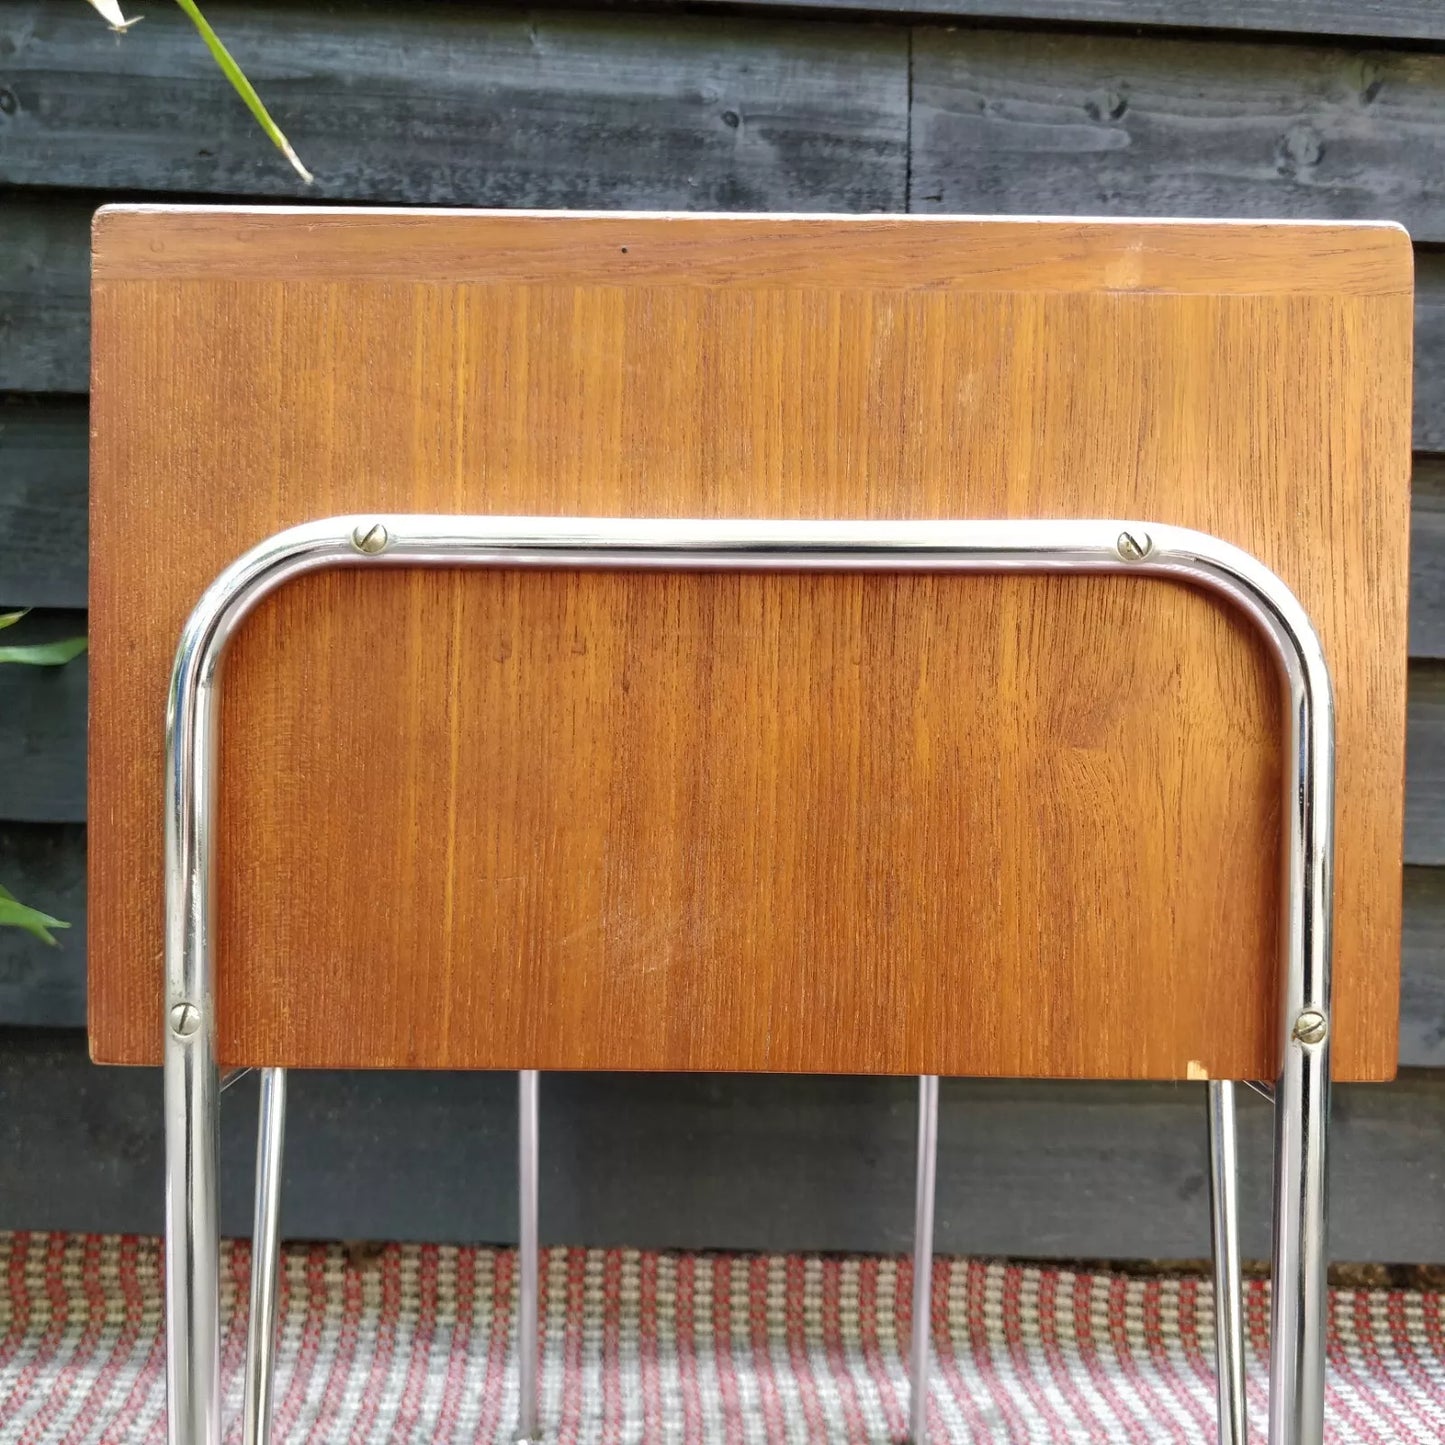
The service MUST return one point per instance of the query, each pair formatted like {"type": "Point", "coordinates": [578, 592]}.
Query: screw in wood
{"type": "Point", "coordinates": [1133, 547]}
{"type": "Point", "coordinates": [369, 537]}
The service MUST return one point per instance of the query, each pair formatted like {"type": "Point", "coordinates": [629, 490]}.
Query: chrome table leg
{"type": "Point", "coordinates": [1228, 1286]}
{"type": "Point", "coordinates": [527, 1257]}
{"type": "Point", "coordinates": [1300, 1290]}
{"type": "Point", "coordinates": [193, 1244]}
{"type": "Point", "coordinates": [923, 1256]}
{"type": "Point", "coordinates": [265, 1256]}
{"type": "Point", "coordinates": [1013, 547]}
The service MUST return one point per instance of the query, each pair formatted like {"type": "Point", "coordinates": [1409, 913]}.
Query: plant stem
{"type": "Point", "coordinates": [244, 88]}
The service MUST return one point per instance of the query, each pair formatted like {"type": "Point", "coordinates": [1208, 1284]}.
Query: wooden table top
{"type": "Point", "coordinates": [816, 824]}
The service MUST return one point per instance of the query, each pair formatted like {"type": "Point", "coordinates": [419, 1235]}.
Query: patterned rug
{"type": "Point", "coordinates": [411, 1344]}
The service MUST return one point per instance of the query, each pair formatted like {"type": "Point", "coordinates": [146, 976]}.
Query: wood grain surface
{"type": "Point", "coordinates": [846, 824]}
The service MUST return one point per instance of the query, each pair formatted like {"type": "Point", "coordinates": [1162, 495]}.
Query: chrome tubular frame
{"type": "Point", "coordinates": [996, 547]}
{"type": "Point", "coordinates": [925, 1189]}
{"type": "Point", "coordinates": [265, 1259]}
{"type": "Point", "coordinates": [1228, 1281]}
{"type": "Point", "coordinates": [528, 1159]}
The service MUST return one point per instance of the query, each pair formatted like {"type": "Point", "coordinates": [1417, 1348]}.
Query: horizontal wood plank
{"type": "Point", "coordinates": [435, 105]}
{"type": "Point", "coordinates": [43, 498]}
{"type": "Point", "coordinates": [1040, 1170]}
{"type": "Point", "coordinates": [737, 113]}
{"type": "Point", "coordinates": [1379, 19]}
{"type": "Point", "coordinates": [42, 727]}
{"type": "Point", "coordinates": [1425, 767]}
{"type": "Point", "coordinates": [44, 291]}
{"type": "Point", "coordinates": [1429, 418]}
{"type": "Point", "coordinates": [1422, 982]}
{"type": "Point", "coordinates": [44, 865]}
{"type": "Point", "coordinates": [1107, 125]}
{"type": "Point", "coordinates": [1427, 558]}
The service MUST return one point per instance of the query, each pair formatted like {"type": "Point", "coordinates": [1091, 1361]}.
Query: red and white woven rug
{"type": "Point", "coordinates": [412, 1344]}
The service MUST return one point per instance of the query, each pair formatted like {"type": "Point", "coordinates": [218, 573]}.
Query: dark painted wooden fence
{"type": "Point", "coordinates": [1291, 108]}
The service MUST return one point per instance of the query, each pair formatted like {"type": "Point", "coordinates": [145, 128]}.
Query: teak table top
{"type": "Point", "coordinates": [857, 824]}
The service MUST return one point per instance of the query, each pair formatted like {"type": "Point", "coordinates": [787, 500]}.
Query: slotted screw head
{"type": "Point", "coordinates": [369, 537]}
{"type": "Point", "coordinates": [1133, 546]}
{"type": "Point", "coordinates": [1311, 1027]}
{"type": "Point", "coordinates": [185, 1019]}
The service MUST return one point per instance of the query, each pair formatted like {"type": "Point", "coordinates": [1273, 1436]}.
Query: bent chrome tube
{"type": "Point", "coordinates": [1173, 553]}
{"type": "Point", "coordinates": [1229, 1378]}
{"type": "Point", "coordinates": [260, 1378]}
{"type": "Point", "coordinates": [528, 1251]}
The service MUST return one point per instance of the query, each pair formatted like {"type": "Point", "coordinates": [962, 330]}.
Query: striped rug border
{"type": "Point", "coordinates": [413, 1343]}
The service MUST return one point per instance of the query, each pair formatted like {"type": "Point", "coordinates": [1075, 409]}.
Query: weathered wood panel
{"type": "Point", "coordinates": [44, 291]}
{"type": "Point", "coordinates": [447, 106]}
{"type": "Point", "coordinates": [43, 494]}
{"type": "Point", "coordinates": [1429, 423]}
{"type": "Point", "coordinates": [1427, 558]}
{"type": "Point", "coordinates": [1425, 767]}
{"type": "Point", "coordinates": [44, 864]}
{"type": "Point", "coordinates": [491, 108]}
{"type": "Point", "coordinates": [1422, 983]}
{"type": "Point", "coordinates": [1104, 125]}
{"type": "Point", "coordinates": [42, 728]}
{"type": "Point", "coordinates": [1377, 19]}
{"type": "Point", "coordinates": [718, 1162]}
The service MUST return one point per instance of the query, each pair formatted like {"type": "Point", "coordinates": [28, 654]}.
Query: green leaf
{"type": "Point", "coordinates": [9, 619]}
{"type": "Point", "coordinates": [32, 920]}
{"type": "Point", "coordinates": [244, 88]}
{"type": "Point", "coordinates": [45, 654]}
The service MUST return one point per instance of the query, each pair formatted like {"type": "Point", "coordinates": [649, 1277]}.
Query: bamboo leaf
{"type": "Point", "coordinates": [244, 88]}
{"type": "Point", "coordinates": [45, 654]}
{"type": "Point", "coordinates": [32, 920]}
{"type": "Point", "coordinates": [9, 619]}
